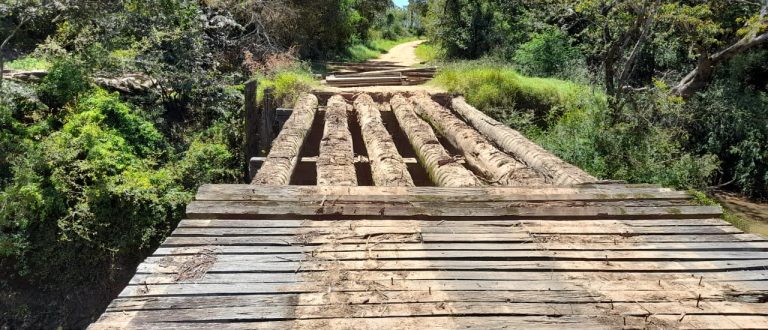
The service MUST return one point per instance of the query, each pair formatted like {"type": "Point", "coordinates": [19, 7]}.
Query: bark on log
{"type": "Point", "coordinates": [282, 159]}
{"type": "Point", "coordinates": [336, 165]}
{"type": "Point", "coordinates": [554, 169]}
{"type": "Point", "coordinates": [495, 165]}
{"type": "Point", "coordinates": [387, 166]}
{"type": "Point", "coordinates": [440, 166]}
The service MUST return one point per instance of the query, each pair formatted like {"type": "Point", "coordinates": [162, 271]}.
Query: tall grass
{"type": "Point", "coordinates": [428, 52]}
{"type": "Point", "coordinates": [288, 84]}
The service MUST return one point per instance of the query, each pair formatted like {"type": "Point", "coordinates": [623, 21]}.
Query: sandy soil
{"type": "Point", "coordinates": [402, 54]}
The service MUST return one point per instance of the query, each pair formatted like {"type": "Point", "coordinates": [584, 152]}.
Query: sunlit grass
{"type": "Point", "coordinates": [428, 52]}
{"type": "Point", "coordinates": [28, 63]}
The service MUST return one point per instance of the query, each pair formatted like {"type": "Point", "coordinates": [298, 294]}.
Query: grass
{"type": "Point", "coordinates": [361, 52]}
{"type": "Point", "coordinates": [28, 63]}
{"type": "Point", "coordinates": [288, 83]}
{"type": "Point", "coordinates": [428, 52]}
{"type": "Point", "coordinates": [489, 85]}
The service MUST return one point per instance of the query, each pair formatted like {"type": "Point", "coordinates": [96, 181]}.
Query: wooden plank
{"type": "Point", "coordinates": [478, 231]}
{"type": "Point", "coordinates": [387, 166]}
{"type": "Point", "coordinates": [268, 264]}
{"type": "Point", "coordinates": [335, 165]}
{"type": "Point", "coordinates": [282, 159]}
{"type": "Point", "coordinates": [452, 322]}
{"type": "Point", "coordinates": [237, 209]}
{"type": "Point", "coordinates": [177, 241]}
{"type": "Point", "coordinates": [415, 194]}
{"type": "Point", "coordinates": [498, 224]}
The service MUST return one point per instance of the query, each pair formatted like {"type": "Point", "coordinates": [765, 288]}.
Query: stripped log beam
{"type": "Point", "coordinates": [336, 165]}
{"type": "Point", "coordinates": [282, 159]}
{"type": "Point", "coordinates": [555, 169]}
{"type": "Point", "coordinates": [387, 166]}
{"type": "Point", "coordinates": [440, 166]}
{"type": "Point", "coordinates": [496, 166]}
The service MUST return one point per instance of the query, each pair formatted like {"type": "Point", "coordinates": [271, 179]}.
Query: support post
{"type": "Point", "coordinates": [267, 121]}
{"type": "Point", "coordinates": [251, 126]}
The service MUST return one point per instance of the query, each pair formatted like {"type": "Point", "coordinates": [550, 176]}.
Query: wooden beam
{"type": "Point", "coordinates": [335, 165]}
{"type": "Point", "coordinates": [511, 141]}
{"type": "Point", "coordinates": [282, 159]}
{"type": "Point", "coordinates": [439, 164]}
{"type": "Point", "coordinates": [266, 121]}
{"type": "Point", "coordinates": [251, 125]}
{"type": "Point", "coordinates": [481, 155]}
{"type": "Point", "coordinates": [387, 166]}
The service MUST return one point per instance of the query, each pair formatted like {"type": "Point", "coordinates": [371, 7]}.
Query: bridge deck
{"type": "Point", "coordinates": [590, 256]}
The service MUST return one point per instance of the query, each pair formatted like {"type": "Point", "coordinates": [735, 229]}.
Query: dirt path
{"type": "Point", "coordinates": [756, 214]}
{"type": "Point", "coordinates": [402, 54]}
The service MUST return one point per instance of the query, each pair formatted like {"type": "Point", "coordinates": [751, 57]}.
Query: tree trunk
{"type": "Point", "coordinates": [701, 76]}
{"type": "Point", "coordinates": [554, 169]}
{"type": "Point", "coordinates": [441, 167]}
{"type": "Point", "coordinates": [282, 159]}
{"type": "Point", "coordinates": [496, 166]}
{"type": "Point", "coordinates": [387, 166]}
{"type": "Point", "coordinates": [336, 165]}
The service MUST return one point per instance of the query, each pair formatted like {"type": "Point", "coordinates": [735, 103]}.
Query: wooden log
{"type": "Point", "coordinates": [387, 166]}
{"type": "Point", "coordinates": [282, 159]}
{"type": "Point", "coordinates": [404, 71]}
{"type": "Point", "coordinates": [438, 163]}
{"type": "Point", "coordinates": [496, 166]}
{"type": "Point", "coordinates": [555, 169]}
{"type": "Point", "coordinates": [335, 165]}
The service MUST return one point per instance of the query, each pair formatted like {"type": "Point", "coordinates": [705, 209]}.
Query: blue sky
{"type": "Point", "coordinates": [401, 3]}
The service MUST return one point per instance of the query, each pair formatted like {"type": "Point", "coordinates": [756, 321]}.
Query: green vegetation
{"type": "Point", "coordinates": [633, 108]}
{"type": "Point", "coordinates": [428, 52]}
{"type": "Point", "coordinates": [28, 63]}
{"type": "Point", "coordinates": [572, 120]}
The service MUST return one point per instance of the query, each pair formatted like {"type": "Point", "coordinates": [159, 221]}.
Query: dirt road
{"type": "Point", "coordinates": [402, 54]}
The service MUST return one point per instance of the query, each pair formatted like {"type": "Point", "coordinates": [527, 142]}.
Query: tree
{"type": "Point", "coordinates": [754, 33]}
{"type": "Point", "coordinates": [15, 15]}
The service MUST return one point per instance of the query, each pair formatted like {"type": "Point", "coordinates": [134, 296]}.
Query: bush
{"type": "Point", "coordinates": [548, 54]}
{"type": "Point", "coordinates": [66, 80]}
{"type": "Point", "coordinates": [88, 193]}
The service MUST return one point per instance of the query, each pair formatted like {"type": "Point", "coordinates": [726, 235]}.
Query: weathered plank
{"type": "Point", "coordinates": [237, 209]}
{"type": "Point", "coordinates": [453, 194]}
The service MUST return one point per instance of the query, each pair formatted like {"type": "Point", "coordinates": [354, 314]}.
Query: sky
{"type": "Point", "coordinates": [401, 3]}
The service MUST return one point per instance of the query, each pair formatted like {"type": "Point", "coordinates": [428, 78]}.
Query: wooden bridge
{"type": "Point", "coordinates": [411, 212]}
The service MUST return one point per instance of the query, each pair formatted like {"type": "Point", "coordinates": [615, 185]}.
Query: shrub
{"type": "Point", "coordinates": [65, 81]}
{"type": "Point", "coordinates": [547, 54]}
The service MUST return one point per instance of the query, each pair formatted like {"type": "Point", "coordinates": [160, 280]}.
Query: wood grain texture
{"type": "Point", "coordinates": [595, 256]}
